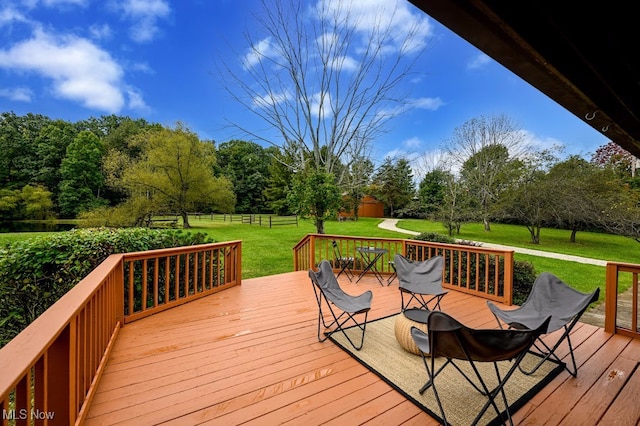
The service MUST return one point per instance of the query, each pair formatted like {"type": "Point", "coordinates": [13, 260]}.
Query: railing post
{"type": "Point", "coordinates": [508, 277]}
{"type": "Point", "coordinates": [60, 369]}
{"type": "Point", "coordinates": [611, 298]}
{"type": "Point", "coordinates": [239, 263]}
{"type": "Point", "coordinates": [312, 251]}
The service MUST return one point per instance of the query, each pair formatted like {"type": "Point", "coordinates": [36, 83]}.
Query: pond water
{"type": "Point", "coordinates": [36, 226]}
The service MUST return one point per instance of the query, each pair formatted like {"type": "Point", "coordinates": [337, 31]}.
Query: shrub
{"type": "Point", "coordinates": [434, 237]}
{"type": "Point", "coordinates": [35, 273]}
{"type": "Point", "coordinates": [524, 275]}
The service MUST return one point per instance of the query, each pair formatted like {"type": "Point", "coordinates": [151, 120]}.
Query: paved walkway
{"type": "Point", "coordinates": [391, 225]}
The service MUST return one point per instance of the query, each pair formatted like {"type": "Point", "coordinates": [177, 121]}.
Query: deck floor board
{"type": "Point", "coordinates": [250, 355]}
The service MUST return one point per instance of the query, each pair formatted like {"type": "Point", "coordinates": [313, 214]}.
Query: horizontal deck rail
{"type": "Point", "coordinates": [479, 271]}
{"type": "Point", "coordinates": [621, 319]}
{"type": "Point", "coordinates": [49, 372]}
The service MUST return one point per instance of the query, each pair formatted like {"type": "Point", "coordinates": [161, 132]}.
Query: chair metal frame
{"type": "Point", "coordinates": [448, 338]}
{"type": "Point", "coordinates": [528, 315]}
{"type": "Point", "coordinates": [342, 307]}
{"type": "Point", "coordinates": [343, 262]}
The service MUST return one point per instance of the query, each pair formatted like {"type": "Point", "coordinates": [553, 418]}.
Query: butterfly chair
{"type": "Point", "coordinates": [549, 296]}
{"type": "Point", "coordinates": [448, 338]}
{"type": "Point", "coordinates": [344, 263]}
{"type": "Point", "coordinates": [420, 281]}
{"type": "Point", "coordinates": [343, 307]}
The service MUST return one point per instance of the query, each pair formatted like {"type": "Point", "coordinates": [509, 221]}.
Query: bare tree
{"type": "Point", "coordinates": [326, 78]}
{"type": "Point", "coordinates": [482, 149]}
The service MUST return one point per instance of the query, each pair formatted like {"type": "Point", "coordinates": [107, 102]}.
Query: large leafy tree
{"type": "Point", "coordinates": [315, 194]}
{"type": "Point", "coordinates": [393, 184]}
{"type": "Point", "coordinates": [325, 79]}
{"type": "Point", "coordinates": [484, 148]}
{"type": "Point", "coordinates": [19, 161]}
{"type": "Point", "coordinates": [82, 178]}
{"type": "Point", "coordinates": [279, 184]}
{"type": "Point", "coordinates": [52, 142]}
{"type": "Point", "coordinates": [530, 199]}
{"type": "Point", "coordinates": [431, 190]}
{"type": "Point", "coordinates": [246, 165]}
{"type": "Point", "coordinates": [176, 172]}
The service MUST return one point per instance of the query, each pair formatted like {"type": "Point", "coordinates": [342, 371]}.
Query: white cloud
{"type": "Point", "coordinates": [270, 99]}
{"type": "Point", "coordinates": [368, 15]}
{"type": "Point", "coordinates": [256, 52]}
{"type": "Point", "coordinates": [18, 94]}
{"type": "Point", "coordinates": [136, 102]}
{"type": "Point", "coordinates": [431, 104]}
{"type": "Point", "coordinates": [145, 15]}
{"type": "Point", "coordinates": [478, 62]}
{"type": "Point", "coordinates": [9, 15]}
{"type": "Point", "coordinates": [56, 3]}
{"type": "Point", "coordinates": [412, 143]}
{"type": "Point", "coordinates": [100, 32]}
{"type": "Point", "coordinates": [78, 69]}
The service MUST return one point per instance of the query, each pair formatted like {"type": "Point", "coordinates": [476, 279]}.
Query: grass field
{"type": "Point", "coordinates": [268, 251]}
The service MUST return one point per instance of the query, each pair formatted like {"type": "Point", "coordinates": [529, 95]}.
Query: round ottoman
{"type": "Point", "coordinates": [402, 330]}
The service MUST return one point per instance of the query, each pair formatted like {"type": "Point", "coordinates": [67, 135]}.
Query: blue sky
{"type": "Point", "coordinates": [157, 60]}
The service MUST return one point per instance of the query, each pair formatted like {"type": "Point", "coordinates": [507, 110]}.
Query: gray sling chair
{"type": "Point", "coordinates": [420, 281]}
{"type": "Point", "coordinates": [448, 338]}
{"type": "Point", "coordinates": [343, 307]}
{"type": "Point", "coordinates": [344, 263]}
{"type": "Point", "coordinates": [549, 296]}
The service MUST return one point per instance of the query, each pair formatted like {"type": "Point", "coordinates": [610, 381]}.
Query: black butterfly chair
{"type": "Point", "coordinates": [454, 341]}
{"type": "Point", "coordinates": [421, 281]}
{"type": "Point", "coordinates": [549, 296]}
{"type": "Point", "coordinates": [344, 263]}
{"type": "Point", "coordinates": [343, 307]}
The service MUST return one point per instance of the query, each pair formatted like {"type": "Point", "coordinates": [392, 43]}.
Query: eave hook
{"type": "Point", "coordinates": [591, 116]}
{"type": "Point", "coordinates": [605, 128]}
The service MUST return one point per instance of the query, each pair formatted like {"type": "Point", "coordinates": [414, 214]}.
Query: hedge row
{"type": "Point", "coordinates": [35, 273]}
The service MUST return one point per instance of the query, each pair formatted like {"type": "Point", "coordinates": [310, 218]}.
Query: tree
{"type": "Point", "coordinates": [246, 165]}
{"type": "Point", "coordinates": [19, 162]}
{"type": "Point", "coordinates": [393, 184]}
{"type": "Point", "coordinates": [431, 190]}
{"type": "Point", "coordinates": [81, 173]}
{"type": "Point", "coordinates": [456, 207]}
{"type": "Point", "coordinates": [582, 191]}
{"type": "Point", "coordinates": [52, 142]}
{"type": "Point", "coordinates": [355, 183]}
{"type": "Point", "coordinates": [315, 194]}
{"type": "Point", "coordinates": [529, 200]}
{"type": "Point", "coordinates": [483, 149]}
{"type": "Point", "coordinates": [175, 172]}
{"type": "Point", "coordinates": [37, 202]}
{"type": "Point", "coordinates": [279, 184]}
{"type": "Point", "coordinates": [326, 80]}
{"type": "Point", "coordinates": [617, 157]}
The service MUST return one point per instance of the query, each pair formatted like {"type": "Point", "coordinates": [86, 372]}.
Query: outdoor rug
{"type": "Point", "coordinates": [405, 371]}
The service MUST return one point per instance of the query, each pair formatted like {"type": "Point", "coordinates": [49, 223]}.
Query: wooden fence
{"type": "Point", "coordinates": [478, 271]}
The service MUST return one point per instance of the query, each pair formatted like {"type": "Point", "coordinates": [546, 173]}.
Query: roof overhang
{"type": "Point", "coordinates": [581, 55]}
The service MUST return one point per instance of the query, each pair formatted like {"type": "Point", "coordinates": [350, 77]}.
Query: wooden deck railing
{"type": "Point", "coordinates": [49, 372]}
{"type": "Point", "coordinates": [621, 319]}
{"type": "Point", "coordinates": [475, 270]}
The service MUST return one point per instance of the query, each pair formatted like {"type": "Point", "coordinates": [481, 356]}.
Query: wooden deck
{"type": "Point", "coordinates": [250, 354]}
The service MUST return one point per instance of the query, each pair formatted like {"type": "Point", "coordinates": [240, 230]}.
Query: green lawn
{"type": "Point", "coordinates": [268, 251]}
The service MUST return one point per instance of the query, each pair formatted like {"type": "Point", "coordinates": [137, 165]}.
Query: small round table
{"type": "Point", "coordinates": [410, 318]}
